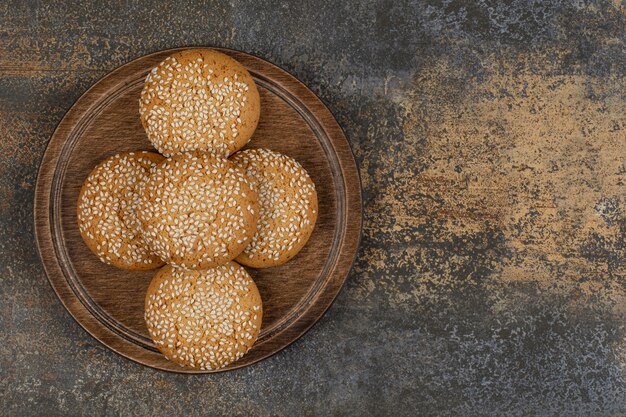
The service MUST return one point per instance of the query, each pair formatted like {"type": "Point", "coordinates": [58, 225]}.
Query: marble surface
{"type": "Point", "coordinates": [491, 142]}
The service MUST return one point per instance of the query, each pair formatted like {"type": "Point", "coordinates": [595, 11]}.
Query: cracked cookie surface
{"type": "Point", "coordinates": [287, 203]}
{"type": "Point", "coordinates": [107, 211]}
{"type": "Point", "coordinates": [203, 319]}
{"type": "Point", "coordinates": [199, 99]}
{"type": "Point", "coordinates": [198, 210]}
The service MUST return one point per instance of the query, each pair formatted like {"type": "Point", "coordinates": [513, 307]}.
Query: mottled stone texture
{"type": "Point", "coordinates": [491, 140]}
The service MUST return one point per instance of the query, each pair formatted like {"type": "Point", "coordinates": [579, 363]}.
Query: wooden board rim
{"type": "Point", "coordinates": [284, 336]}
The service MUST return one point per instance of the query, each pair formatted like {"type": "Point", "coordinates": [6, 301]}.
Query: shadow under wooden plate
{"type": "Point", "coordinates": [108, 302]}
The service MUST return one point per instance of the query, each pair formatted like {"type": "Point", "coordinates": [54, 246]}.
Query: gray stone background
{"type": "Point", "coordinates": [491, 142]}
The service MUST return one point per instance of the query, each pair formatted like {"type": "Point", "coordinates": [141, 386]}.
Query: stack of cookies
{"type": "Point", "coordinates": [199, 209]}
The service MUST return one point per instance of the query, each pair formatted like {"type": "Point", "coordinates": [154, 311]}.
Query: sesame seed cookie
{"type": "Point", "coordinates": [107, 216]}
{"type": "Point", "coordinates": [199, 99]}
{"type": "Point", "coordinates": [204, 319]}
{"type": "Point", "coordinates": [288, 204]}
{"type": "Point", "coordinates": [198, 210]}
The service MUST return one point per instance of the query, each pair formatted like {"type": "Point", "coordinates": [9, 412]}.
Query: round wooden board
{"type": "Point", "coordinates": [108, 302]}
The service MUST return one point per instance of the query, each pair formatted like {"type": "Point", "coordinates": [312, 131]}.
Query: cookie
{"type": "Point", "coordinates": [107, 217]}
{"type": "Point", "coordinates": [288, 204]}
{"type": "Point", "coordinates": [203, 319]}
{"type": "Point", "coordinates": [199, 99]}
{"type": "Point", "coordinates": [197, 210]}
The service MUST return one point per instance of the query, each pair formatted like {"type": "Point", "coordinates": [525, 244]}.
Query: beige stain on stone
{"type": "Point", "coordinates": [540, 158]}
{"type": "Point", "coordinates": [620, 5]}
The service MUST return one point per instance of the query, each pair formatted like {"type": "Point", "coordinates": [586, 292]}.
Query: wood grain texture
{"type": "Point", "coordinates": [108, 302]}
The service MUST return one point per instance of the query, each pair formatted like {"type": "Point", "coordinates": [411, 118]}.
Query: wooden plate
{"type": "Point", "coordinates": [108, 302]}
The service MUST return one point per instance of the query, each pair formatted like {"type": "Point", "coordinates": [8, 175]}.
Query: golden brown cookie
{"type": "Point", "coordinates": [197, 210]}
{"type": "Point", "coordinates": [205, 319]}
{"type": "Point", "coordinates": [199, 99]}
{"type": "Point", "coordinates": [107, 217]}
{"type": "Point", "coordinates": [288, 204]}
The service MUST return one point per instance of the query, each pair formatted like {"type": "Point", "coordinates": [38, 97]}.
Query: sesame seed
{"type": "Point", "coordinates": [190, 210]}
{"type": "Point", "coordinates": [287, 203]}
{"type": "Point", "coordinates": [181, 100]}
{"type": "Point", "coordinates": [204, 319]}
{"type": "Point", "coordinates": [107, 210]}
